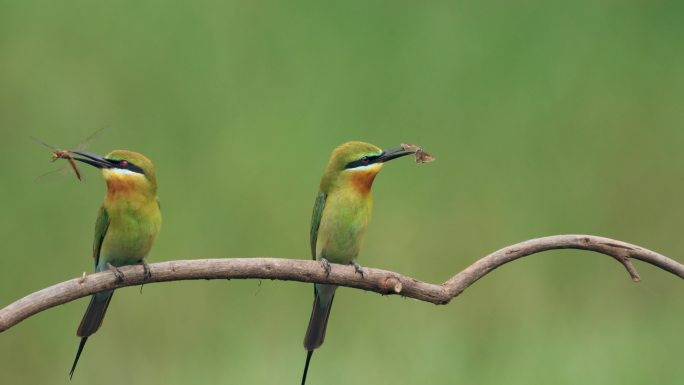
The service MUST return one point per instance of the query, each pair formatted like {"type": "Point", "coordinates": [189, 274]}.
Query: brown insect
{"type": "Point", "coordinates": [421, 155]}
{"type": "Point", "coordinates": [66, 154]}
{"type": "Point", "coordinates": [58, 153]}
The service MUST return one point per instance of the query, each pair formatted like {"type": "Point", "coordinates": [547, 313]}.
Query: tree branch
{"type": "Point", "coordinates": [379, 281]}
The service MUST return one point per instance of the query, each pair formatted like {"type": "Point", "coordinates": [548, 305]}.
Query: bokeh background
{"type": "Point", "coordinates": [547, 117]}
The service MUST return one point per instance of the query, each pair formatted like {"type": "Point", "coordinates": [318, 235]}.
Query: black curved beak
{"type": "Point", "coordinates": [94, 160]}
{"type": "Point", "coordinates": [392, 153]}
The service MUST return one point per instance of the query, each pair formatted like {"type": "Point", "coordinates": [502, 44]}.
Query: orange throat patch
{"type": "Point", "coordinates": [362, 180]}
{"type": "Point", "coordinates": [118, 185]}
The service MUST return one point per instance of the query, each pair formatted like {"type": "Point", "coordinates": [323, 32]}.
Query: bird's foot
{"type": "Point", "coordinates": [358, 268]}
{"type": "Point", "coordinates": [147, 274]}
{"type": "Point", "coordinates": [326, 266]}
{"type": "Point", "coordinates": [117, 273]}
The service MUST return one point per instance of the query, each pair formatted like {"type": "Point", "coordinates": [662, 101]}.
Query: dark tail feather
{"type": "Point", "coordinates": [78, 354]}
{"type": "Point", "coordinates": [306, 366]}
{"type": "Point", "coordinates": [315, 333]}
{"type": "Point", "coordinates": [92, 320]}
{"type": "Point", "coordinates": [318, 323]}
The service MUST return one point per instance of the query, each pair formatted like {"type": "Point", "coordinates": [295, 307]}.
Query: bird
{"type": "Point", "coordinates": [340, 216]}
{"type": "Point", "coordinates": [126, 227]}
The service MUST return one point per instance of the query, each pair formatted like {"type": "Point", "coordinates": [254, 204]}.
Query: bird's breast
{"type": "Point", "coordinates": [132, 230]}
{"type": "Point", "coordinates": [343, 226]}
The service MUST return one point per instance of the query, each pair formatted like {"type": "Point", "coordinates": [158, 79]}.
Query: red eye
{"type": "Point", "coordinates": [365, 160]}
{"type": "Point", "coordinates": [123, 163]}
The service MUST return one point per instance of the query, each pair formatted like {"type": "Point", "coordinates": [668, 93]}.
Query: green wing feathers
{"type": "Point", "coordinates": [101, 226]}
{"type": "Point", "coordinates": [316, 221]}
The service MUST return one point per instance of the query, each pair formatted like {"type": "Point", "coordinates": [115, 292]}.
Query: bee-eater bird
{"type": "Point", "coordinates": [126, 227]}
{"type": "Point", "coordinates": [340, 216]}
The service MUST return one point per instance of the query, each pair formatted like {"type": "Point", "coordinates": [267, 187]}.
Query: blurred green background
{"type": "Point", "coordinates": [547, 117]}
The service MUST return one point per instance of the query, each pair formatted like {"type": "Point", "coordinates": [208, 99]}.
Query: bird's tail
{"type": "Point", "coordinates": [315, 333]}
{"type": "Point", "coordinates": [306, 365]}
{"type": "Point", "coordinates": [92, 319]}
{"type": "Point", "coordinates": [78, 355]}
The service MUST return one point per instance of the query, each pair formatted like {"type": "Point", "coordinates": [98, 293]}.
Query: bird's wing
{"type": "Point", "coordinates": [101, 226]}
{"type": "Point", "coordinates": [316, 221]}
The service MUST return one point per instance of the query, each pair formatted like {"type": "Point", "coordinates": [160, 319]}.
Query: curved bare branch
{"type": "Point", "coordinates": [376, 280]}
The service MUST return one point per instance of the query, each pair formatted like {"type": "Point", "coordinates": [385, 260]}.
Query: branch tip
{"type": "Point", "coordinates": [632, 270]}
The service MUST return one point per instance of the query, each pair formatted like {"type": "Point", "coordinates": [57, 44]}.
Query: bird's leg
{"type": "Point", "coordinates": [147, 274]}
{"type": "Point", "coordinates": [326, 266]}
{"type": "Point", "coordinates": [358, 268]}
{"type": "Point", "coordinates": [117, 273]}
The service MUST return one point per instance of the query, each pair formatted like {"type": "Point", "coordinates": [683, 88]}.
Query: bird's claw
{"type": "Point", "coordinates": [147, 274]}
{"type": "Point", "coordinates": [326, 266]}
{"type": "Point", "coordinates": [117, 273]}
{"type": "Point", "coordinates": [358, 268]}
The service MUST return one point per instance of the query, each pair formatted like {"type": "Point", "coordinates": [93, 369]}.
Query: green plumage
{"type": "Point", "coordinates": [101, 225]}
{"type": "Point", "coordinates": [344, 219]}
{"type": "Point", "coordinates": [316, 221]}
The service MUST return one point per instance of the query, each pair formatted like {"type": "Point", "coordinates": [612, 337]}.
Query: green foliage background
{"type": "Point", "coordinates": [547, 117]}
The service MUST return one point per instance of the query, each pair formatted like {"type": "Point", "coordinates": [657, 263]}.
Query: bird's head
{"type": "Point", "coordinates": [355, 164]}
{"type": "Point", "coordinates": [123, 170]}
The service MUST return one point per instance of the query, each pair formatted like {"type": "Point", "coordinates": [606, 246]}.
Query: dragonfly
{"type": "Point", "coordinates": [58, 153]}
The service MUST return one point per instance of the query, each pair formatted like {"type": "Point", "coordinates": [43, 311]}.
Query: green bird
{"type": "Point", "coordinates": [340, 217]}
{"type": "Point", "coordinates": [127, 225]}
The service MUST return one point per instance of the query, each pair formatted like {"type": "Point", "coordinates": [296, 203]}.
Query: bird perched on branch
{"type": "Point", "coordinates": [340, 216]}
{"type": "Point", "coordinates": [126, 227]}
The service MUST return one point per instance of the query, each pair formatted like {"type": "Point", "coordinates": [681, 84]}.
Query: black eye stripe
{"type": "Point", "coordinates": [129, 166]}
{"type": "Point", "coordinates": [365, 161]}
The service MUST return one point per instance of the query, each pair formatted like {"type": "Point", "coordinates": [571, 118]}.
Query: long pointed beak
{"type": "Point", "coordinates": [94, 160]}
{"type": "Point", "coordinates": [393, 153]}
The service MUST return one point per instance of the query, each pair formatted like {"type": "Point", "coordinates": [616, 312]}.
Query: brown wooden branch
{"type": "Point", "coordinates": [379, 281]}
